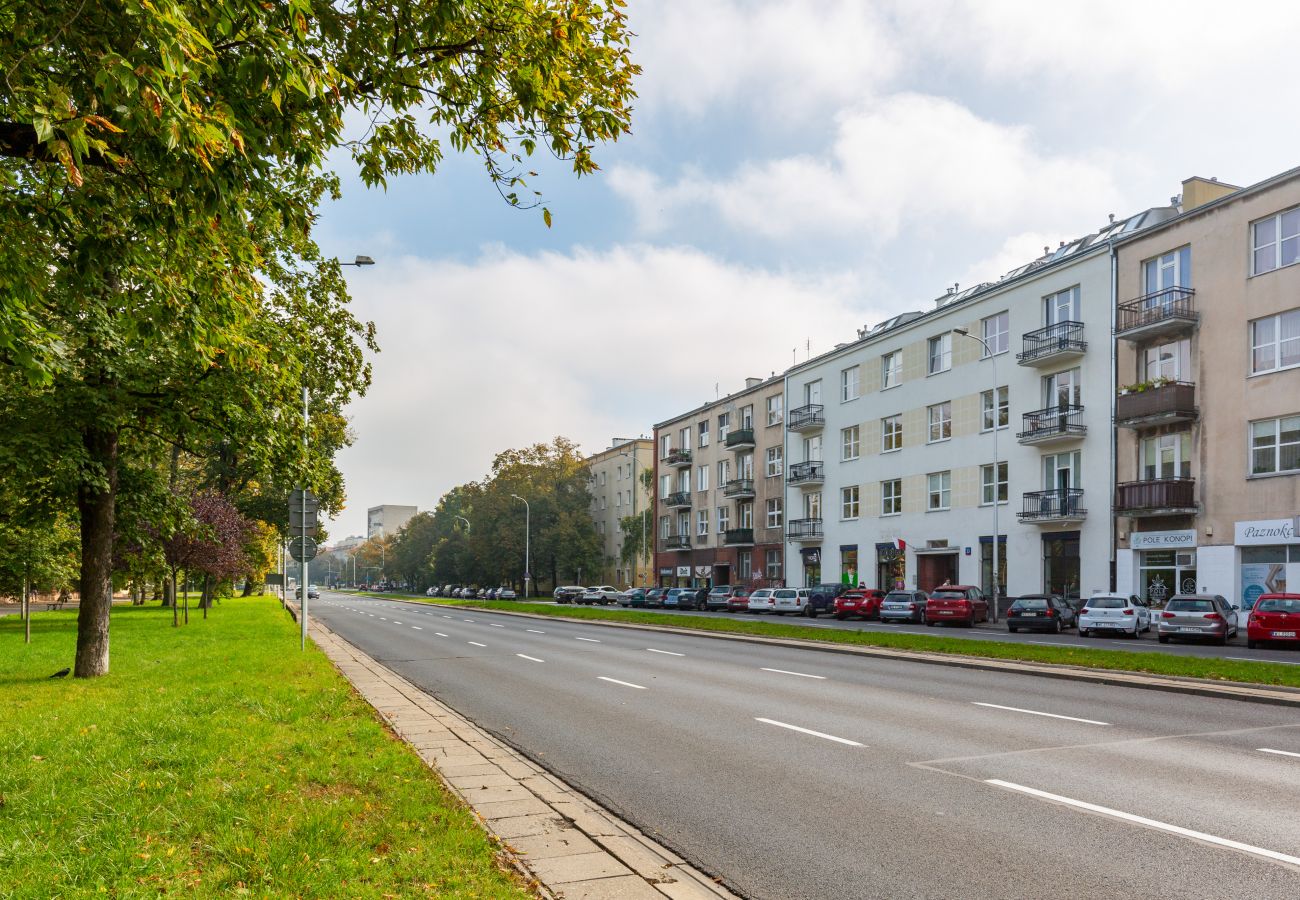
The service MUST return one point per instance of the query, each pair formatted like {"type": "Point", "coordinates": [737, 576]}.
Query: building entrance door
{"type": "Point", "coordinates": [934, 569]}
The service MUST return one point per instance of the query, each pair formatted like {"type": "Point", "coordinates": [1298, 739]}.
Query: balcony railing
{"type": "Point", "coordinates": [1161, 312]}
{"type": "Point", "coordinates": [740, 439]}
{"type": "Point", "coordinates": [676, 542]}
{"type": "Point", "coordinates": [1156, 497]}
{"type": "Point", "coordinates": [1173, 401]}
{"type": "Point", "coordinates": [804, 529]}
{"type": "Point", "coordinates": [806, 418]}
{"type": "Point", "coordinates": [678, 458]}
{"type": "Point", "coordinates": [677, 499]}
{"type": "Point", "coordinates": [811, 472]}
{"type": "Point", "coordinates": [739, 487]}
{"type": "Point", "coordinates": [737, 536]}
{"type": "Point", "coordinates": [1059, 505]}
{"type": "Point", "coordinates": [1046, 344]}
{"type": "Point", "coordinates": [1056, 423]}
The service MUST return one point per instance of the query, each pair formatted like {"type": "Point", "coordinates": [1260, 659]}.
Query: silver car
{"type": "Point", "coordinates": [1114, 614]}
{"type": "Point", "coordinates": [1198, 616]}
{"type": "Point", "coordinates": [903, 606]}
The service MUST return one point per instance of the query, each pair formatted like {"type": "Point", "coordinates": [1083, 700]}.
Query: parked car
{"type": "Point", "coordinates": [604, 594]}
{"type": "Point", "coordinates": [1114, 614]}
{"type": "Point", "coordinates": [431, 592]}
{"type": "Point", "coordinates": [717, 598]}
{"type": "Point", "coordinates": [632, 597]}
{"type": "Point", "coordinates": [505, 593]}
{"type": "Point", "coordinates": [1275, 617]}
{"type": "Point", "coordinates": [738, 600]}
{"type": "Point", "coordinates": [654, 598]}
{"type": "Point", "coordinates": [568, 593]}
{"type": "Point", "coordinates": [1041, 612]}
{"type": "Point", "coordinates": [821, 599]}
{"type": "Point", "coordinates": [762, 600]}
{"type": "Point", "coordinates": [793, 600]}
{"type": "Point", "coordinates": [313, 592]}
{"type": "Point", "coordinates": [904, 606]}
{"type": "Point", "coordinates": [861, 602]}
{"type": "Point", "coordinates": [1198, 616]}
{"type": "Point", "coordinates": [956, 603]}
{"type": "Point", "coordinates": [679, 598]}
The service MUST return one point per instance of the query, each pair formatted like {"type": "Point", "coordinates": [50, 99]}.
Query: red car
{"type": "Point", "coordinates": [864, 602]}
{"type": "Point", "coordinates": [738, 600]}
{"type": "Point", "coordinates": [1275, 617]}
{"type": "Point", "coordinates": [957, 603]}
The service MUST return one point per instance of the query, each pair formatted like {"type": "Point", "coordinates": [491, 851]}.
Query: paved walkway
{"type": "Point", "coordinates": [571, 846]}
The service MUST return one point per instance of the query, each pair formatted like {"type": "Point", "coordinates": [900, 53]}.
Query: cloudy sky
{"type": "Point", "coordinates": [798, 169]}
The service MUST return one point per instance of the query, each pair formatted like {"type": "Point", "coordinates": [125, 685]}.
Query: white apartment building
{"type": "Point", "coordinates": [890, 479]}
{"type": "Point", "coordinates": [387, 520]}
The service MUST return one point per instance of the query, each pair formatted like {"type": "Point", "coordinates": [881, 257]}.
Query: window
{"type": "Point", "coordinates": [940, 421]}
{"type": "Point", "coordinates": [724, 518]}
{"type": "Point", "coordinates": [704, 433]}
{"type": "Point", "coordinates": [987, 484]}
{"type": "Point", "coordinates": [1063, 306]}
{"type": "Point", "coordinates": [1169, 270]}
{"type": "Point", "coordinates": [849, 442]}
{"type": "Point", "coordinates": [891, 434]}
{"type": "Point", "coordinates": [1275, 446]}
{"type": "Point", "coordinates": [1172, 360]}
{"type": "Point", "coordinates": [684, 525]}
{"type": "Point", "coordinates": [1275, 241]}
{"type": "Point", "coordinates": [775, 465]}
{"type": "Point", "coordinates": [1167, 456]}
{"type": "Point", "coordinates": [1003, 412]}
{"type": "Point", "coordinates": [812, 392]}
{"type": "Point", "coordinates": [665, 445]}
{"type": "Point", "coordinates": [745, 466]}
{"type": "Point", "coordinates": [940, 488]}
{"type": "Point", "coordinates": [702, 522]}
{"type": "Point", "coordinates": [1061, 471]}
{"type": "Point", "coordinates": [774, 513]}
{"type": "Point", "coordinates": [724, 471]}
{"type": "Point", "coordinates": [812, 448]}
{"type": "Point", "coordinates": [745, 512]}
{"type": "Point", "coordinates": [724, 425]}
{"type": "Point", "coordinates": [602, 478]}
{"type": "Point", "coordinates": [602, 502]}
{"type": "Point", "coordinates": [747, 416]}
{"type": "Point", "coordinates": [745, 562]}
{"type": "Point", "coordinates": [891, 369]}
{"type": "Point", "coordinates": [812, 505]}
{"type": "Point", "coordinates": [773, 567]}
{"type": "Point", "coordinates": [849, 502]}
{"type": "Point", "coordinates": [664, 526]}
{"type": "Point", "coordinates": [850, 384]}
{"type": "Point", "coordinates": [940, 353]}
{"type": "Point", "coordinates": [685, 437]}
{"type": "Point", "coordinates": [618, 499]}
{"type": "Point", "coordinates": [1275, 342]}
{"type": "Point", "coordinates": [665, 485]}
{"type": "Point", "coordinates": [702, 478]}
{"type": "Point", "coordinates": [997, 333]}
{"type": "Point", "coordinates": [600, 526]}
{"type": "Point", "coordinates": [684, 481]}
{"type": "Point", "coordinates": [776, 409]}
{"type": "Point", "coordinates": [891, 497]}
{"type": "Point", "coordinates": [1063, 389]}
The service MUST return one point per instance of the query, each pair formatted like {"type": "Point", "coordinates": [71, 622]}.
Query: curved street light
{"type": "Point", "coordinates": [528, 539]}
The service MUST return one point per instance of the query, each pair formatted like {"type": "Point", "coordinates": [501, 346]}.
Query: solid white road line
{"type": "Point", "coordinates": [535, 631]}
{"type": "Point", "coordinates": [476, 643]}
{"type": "Point", "coordinates": [800, 674]}
{"type": "Point", "coordinates": [439, 634]}
{"type": "Point", "coordinates": [1055, 643]}
{"type": "Point", "coordinates": [525, 656]}
{"type": "Point", "coordinates": [1280, 662]}
{"type": "Point", "coordinates": [1034, 712]}
{"type": "Point", "coordinates": [820, 734]}
{"type": "Point", "coordinates": [1150, 823]}
{"type": "Point", "coordinates": [639, 687]}
{"type": "Point", "coordinates": [1278, 752]}
{"type": "Point", "coordinates": [588, 640]}
{"type": "Point", "coordinates": [664, 652]}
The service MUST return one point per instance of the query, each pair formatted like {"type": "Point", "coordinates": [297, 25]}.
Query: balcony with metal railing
{"type": "Point", "coordinates": [811, 472]}
{"type": "Point", "coordinates": [1165, 403]}
{"type": "Point", "coordinates": [678, 458]}
{"type": "Point", "coordinates": [1053, 425]}
{"type": "Point", "coordinates": [1055, 343]}
{"type": "Point", "coordinates": [739, 488]}
{"type": "Point", "coordinates": [804, 530]}
{"type": "Point", "coordinates": [1159, 313]}
{"type": "Point", "coordinates": [1156, 497]}
{"type": "Point", "coordinates": [1050, 507]}
{"type": "Point", "coordinates": [678, 500]}
{"type": "Point", "coordinates": [740, 439]}
{"type": "Point", "coordinates": [675, 542]}
{"type": "Point", "coordinates": [806, 418]}
{"type": "Point", "coordinates": [738, 537]}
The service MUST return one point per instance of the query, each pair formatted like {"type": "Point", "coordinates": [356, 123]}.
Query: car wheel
{"type": "Point", "coordinates": [929, 624]}
{"type": "Point", "coordinates": [840, 617]}
{"type": "Point", "coordinates": [1083, 632]}
{"type": "Point", "coordinates": [1251, 645]}
{"type": "Point", "coordinates": [1162, 638]}
{"type": "Point", "coordinates": [1221, 641]}
{"type": "Point", "coordinates": [810, 611]}
{"type": "Point", "coordinates": [1012, 629]}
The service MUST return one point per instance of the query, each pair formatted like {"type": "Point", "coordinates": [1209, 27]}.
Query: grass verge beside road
{"type": "Point", "coordinates": [216, 759]}
{"type": "Point", "coordinates": [1217, 669]}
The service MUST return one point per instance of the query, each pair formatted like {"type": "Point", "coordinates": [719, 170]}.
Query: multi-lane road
{"type": "Point", "coordinates": [796, 773]}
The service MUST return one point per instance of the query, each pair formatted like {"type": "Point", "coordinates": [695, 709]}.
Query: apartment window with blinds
{"type": "Point", "coordinates": [1275, 242]}
{"type": "Point", "coordinates": [1275, 446]}
{"type": "Point", "coordinates": [940, 416]}
{"type": "Point", "coordinates": [1275, 342]}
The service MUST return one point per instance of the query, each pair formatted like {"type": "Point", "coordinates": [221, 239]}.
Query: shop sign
{"type": "Point", "coordinates": [703, 571]}
{"type": "Point", "coordinates": [812, 556]}
{"type": "Point", "coordinates": [1162, 540]}
{"type": "Point", "coordinates": [666, 571]}
{"type": "Point", "coordinates": [1266, 531]}
{"type": "Point", "coordinates": [684, 571]}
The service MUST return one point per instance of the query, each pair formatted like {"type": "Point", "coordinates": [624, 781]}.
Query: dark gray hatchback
{"type": "Point", "coordinates": [1041, 612]}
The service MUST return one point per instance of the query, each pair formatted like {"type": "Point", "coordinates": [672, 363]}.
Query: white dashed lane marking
{"type": "Point", "coordinates": [820, 734]}
{"type": "Point", "coordinates": [800, 674]}
{"type": "Point", "coordinates": [1034, 712]}
{"type": "Point", "coordinates": [639, 687]}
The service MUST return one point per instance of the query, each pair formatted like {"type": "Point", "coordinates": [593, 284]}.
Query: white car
{"type": "Point", "coordinates": [506, 593]}
{"type": "Point", "coordinates": [761, 600]}
{"type": "Point", "coordinates": [603, 594]}
{"type": "Point", "coordinates": [1114, 614]}
{"type": "Point", "coordinates": [793, 600]}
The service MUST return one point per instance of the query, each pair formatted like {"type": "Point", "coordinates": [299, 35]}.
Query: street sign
{"type": "Point", "coordinates": [302, 549]}
{"type": "Point", "coordinates": [296, 500]}
{"type": "Point", "coordinates": [303, 509]}
{"type": "Point", "coordinates": [274, 579]}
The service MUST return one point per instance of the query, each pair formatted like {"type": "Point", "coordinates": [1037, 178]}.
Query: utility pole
{"type": "Point", "coordinates": [528, 538]}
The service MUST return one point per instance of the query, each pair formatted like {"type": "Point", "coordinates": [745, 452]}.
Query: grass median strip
{"type": "Point", "coordinates": [1215, 668]}
{"type": "Point", "coordinates": [216, 760]}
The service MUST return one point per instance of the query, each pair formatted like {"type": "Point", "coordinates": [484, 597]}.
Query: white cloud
{"type": "Point", "coordinates": [514, 349]}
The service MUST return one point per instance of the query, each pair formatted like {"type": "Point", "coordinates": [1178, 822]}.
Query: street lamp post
{"type": "Point", "coordinates": [528, 541]}
{"type": "Point", "coordinates": [636, 487]}
{"type": "Point", "coordinates": [996, 406]}
{"type": "Point", "coordinates": [465, 520]}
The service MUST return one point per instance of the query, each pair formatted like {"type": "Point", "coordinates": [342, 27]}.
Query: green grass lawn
{"type": "Point", "coordinates": [216, 759]}
{"type": "Point", "coordinates": [1120, 660]}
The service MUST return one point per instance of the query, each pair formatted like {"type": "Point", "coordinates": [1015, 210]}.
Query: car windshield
{"type": "Point", "coordinates": [1190, 606]}
{"type": "Point", "coordinates": [1029, 603]}
{"type": "Point", "coordinates": [949, 595]}
{"type": "Point", "coordinates": [785, 594]}
{"type": "Point", "coordinates": [1108, 603]}
{"type": "Point", "coordinates": [1278, 605]}
{"type": "Point", "coordinates": [899, 596]}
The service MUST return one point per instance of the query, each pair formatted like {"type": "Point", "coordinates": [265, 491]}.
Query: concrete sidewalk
{"type": "Point", "coordinates": [572, 847]}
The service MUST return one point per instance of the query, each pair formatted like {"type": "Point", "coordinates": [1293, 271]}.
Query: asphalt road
{"type": "Point", "coordinates": [796, 773]}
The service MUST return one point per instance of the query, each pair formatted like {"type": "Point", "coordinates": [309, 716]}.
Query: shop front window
{"type": "Point", "coordinates": [891, 568]}
{"type": "Point", "coordinates": [1061, 564]}
{"type": "Point", "coordinates": [1163, 573]}
{"type": "Point", "coordinates": [849, 565]}
{"type": "Point", "coordinates": [986, 565]}
{"type": "Point", "coordinates": [1263, 571]}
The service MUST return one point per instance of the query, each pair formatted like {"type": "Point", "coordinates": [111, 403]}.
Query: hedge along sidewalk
{"type": "Point", "coordinates": [216, 760]}
{"type": "Point", "coordinates": [1184, 674]}
{"type": "Point", "coordinates": [568, 843]}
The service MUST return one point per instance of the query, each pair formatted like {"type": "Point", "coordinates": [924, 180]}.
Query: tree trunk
{"type": "Point", "coordinates": [185, 592]}
{"type": "Point", "coordinates": [205, 601]}
{"type": "Point", "coordinates": [97, 505]}
{"type": "Point", "coordinates": [171, 585]}
{"type": "Point", "coordinates": [248, 586]}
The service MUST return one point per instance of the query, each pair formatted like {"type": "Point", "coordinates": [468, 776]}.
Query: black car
{"type": "Point", "coordinates": [1041, 612]}
{"type": "Point", "coordinates": [654, 598]}
{"type": "Point", "coordinates": [821, 599]}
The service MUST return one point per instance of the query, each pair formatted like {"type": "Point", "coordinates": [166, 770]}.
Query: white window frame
{"type": "Point", "coordinates": [665, 527]}
{"type": "Point", "coordinates": [891, 370]}
{"type": "Point", "coordinates": [775, 463]}
{"type": "Point", "coordinates": [1003, 411]}
{"type": "Point", "coordinates": [684, 435]}
{"type": "Point", "coordinates": [999, 340]}
{"type": "Point", "coordinates": [1052, 306]}
{"type": "Point", "coordinates": [942, 493]}
{"type": "Point", "coordinates": [774, 565]}
{"type": "Point", "coordinates": [940, 414]}
{"type": "Point", "coordinates": [776, 409]}
{"type": "Point", "coordinates": [724, 472]}
{"type": "Point", "coordinates": [850, 443]}
{"type": "Point", "coordinates": [850, 383]}
{"type": "Point", "coordinates": [891, 497]}
{"type": "Point", "coordinates": [1276, 446]}
{"type": "Point", "coordinates": [702, 522]}
{"type": "Point", "coordinates": [943, 359]}
{"type": "Point", "coordinates": [1275, 243]}
{"type": "Point", "coordinates": [850, 503]}
{"type": "Point", "coordinates": [1180, 358]}
{"type": "Point", "coordinates": [886, 431]}
{"type": "Point", "coordinates": [703, 429]}
{"type": "Point", "coordinates": [1275, 344]}
{"type": "Point", "coordinates": [775, 512]}
{"type": "Point", "coordinates": [986, 484]}
{"type": "Point", "coordinates": [665, 445]}
{"type": "Point", "coordinates": [702, 478]}
{"type": "Point", "coordinates": [724, 518]}
{"type": "Point", "coordinates": [745, 515]}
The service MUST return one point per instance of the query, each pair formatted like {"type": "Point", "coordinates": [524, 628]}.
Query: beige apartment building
{"type": "Point", "coordinates": [1208, 407]}
{"type": "Point", "coordinates": [719, 475]}
{"type": "Point", "coordinates": [617, 492]}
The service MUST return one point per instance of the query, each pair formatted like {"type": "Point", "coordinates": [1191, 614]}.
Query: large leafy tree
{"type": "Point", "coordinates": [160, 165]}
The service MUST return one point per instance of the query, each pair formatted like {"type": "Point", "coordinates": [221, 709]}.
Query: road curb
{"type": "Point", "coordinates": [569, 847]}
{"type": "Point", "coordinates": [1228, 690]}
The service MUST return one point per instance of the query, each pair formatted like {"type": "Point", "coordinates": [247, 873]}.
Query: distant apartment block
{"type": "Point", "coordinates": [387, 520]}
{"type": "Point", "coordinates": [618, 492]}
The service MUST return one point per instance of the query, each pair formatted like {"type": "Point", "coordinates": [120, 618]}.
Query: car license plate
{"type": "Point", "coordinates": [1027, 615]}
{"type": "Point", "coordinates": [1289, 634]}
{"type": "Point", "coordinates": [1104, 625]}
{"type": "Point", "coordinates": [944, 612]}
{"type": "Point", "coordinates": [1189, 628]}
